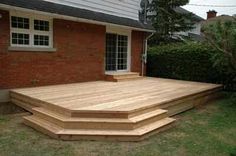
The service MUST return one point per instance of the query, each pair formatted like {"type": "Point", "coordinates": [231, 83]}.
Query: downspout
{"type": "Point", "coordinates": [144, 56]}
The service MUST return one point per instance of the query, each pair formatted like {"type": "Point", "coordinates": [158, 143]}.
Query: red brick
{"type": "Point", "coordinates": [79, 56]}
{"type": "Point", "coordinates": [137, 46]}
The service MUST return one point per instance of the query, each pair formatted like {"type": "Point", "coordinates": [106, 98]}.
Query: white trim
{"type": "Point", "coordinates": [36, 49]}
{"type": "Point", "coordinates": [31, 30]}
{"type": "Point", "coordinates": [126, 32]}
{"type": "Point", "coordinates": [54, 15]}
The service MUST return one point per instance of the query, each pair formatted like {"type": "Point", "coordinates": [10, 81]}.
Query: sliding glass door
{"type": "Point", "coordinates": [116, 52]}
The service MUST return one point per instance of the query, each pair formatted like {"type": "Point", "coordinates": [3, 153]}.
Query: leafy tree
{"type": "Point", "coordinates": [222, 37]}
{"type": "Point", "coordinates": [166, 20]}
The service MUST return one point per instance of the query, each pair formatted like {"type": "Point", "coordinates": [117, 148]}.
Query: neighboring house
{"type": "Point", "coordinates": [195, 33]}
{"type": "Point", "coordinates": [47, 42]}
{"type": "Point", "coordinates": [213, 18]}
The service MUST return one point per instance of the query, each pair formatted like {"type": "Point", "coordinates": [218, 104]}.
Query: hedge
{"type": "Point", "coordinates": [185, 61]}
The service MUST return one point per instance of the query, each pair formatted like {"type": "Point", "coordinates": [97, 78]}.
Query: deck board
{"type": "Point", "coordinates": [122, 96]}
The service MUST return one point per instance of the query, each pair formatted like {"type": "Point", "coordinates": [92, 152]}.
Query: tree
{"type": "Point", "coordinates": [166, 20]}
{"type": "Point", "coordinates": [222, 37]}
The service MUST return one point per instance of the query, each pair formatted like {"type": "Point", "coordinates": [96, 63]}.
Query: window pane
{"type": "Point", "coordinates": [20, 39]}
{"type": "Point", "coordinates": [14, 41]}
{"type": "Point", "coordinates": [19, 22]}
{"type": "Point", "coordinates": [122, 52]}
{"type": "Point", "coordinates": [41, 25]}
{"type": "Point", "coordinates": [41, 40]}
{"type": "Point", "coordinates": [111, 44]}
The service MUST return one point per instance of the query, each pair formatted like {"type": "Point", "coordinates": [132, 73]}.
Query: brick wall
{"type": "Point", "coordinates": [79, 56]}
{"type": "Point", "coordinates": [137, 43]}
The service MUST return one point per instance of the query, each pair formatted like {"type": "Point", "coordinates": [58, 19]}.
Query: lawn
{"type": "Point", "coordinates": [209, 130]}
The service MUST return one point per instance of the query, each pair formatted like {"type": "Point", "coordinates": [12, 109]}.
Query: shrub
{"type": "Point", "coordinates": [222, 37]}
{"type": "Point", "coordinates": [186, 61]}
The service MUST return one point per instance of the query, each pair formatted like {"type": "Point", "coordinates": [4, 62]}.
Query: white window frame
{"type": "Point", "coordinates": [31, 30]}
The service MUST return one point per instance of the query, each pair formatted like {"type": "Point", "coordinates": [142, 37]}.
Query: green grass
{"type": "Point", "coordinates": [209, 130]}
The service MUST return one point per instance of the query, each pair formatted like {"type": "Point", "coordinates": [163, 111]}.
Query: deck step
{"type": "Point", "coordinates": [128, 78]}
{"type": "Point", "coordinates": [99, 123]}
{"type": "Point", "coordinates": [85, 134]}
{"type": "Point", "coordinates": [122, 76]}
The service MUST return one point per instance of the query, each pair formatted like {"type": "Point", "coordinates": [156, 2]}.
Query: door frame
{"type": "Point", "coordinates": [121, 31]}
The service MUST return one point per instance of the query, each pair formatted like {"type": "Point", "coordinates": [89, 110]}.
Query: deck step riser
{"type": "Point", "coordinates": [142, 111]}
{"type": "Point", "coordinates": [114, 138]}
{"type": "Point", "coordinates": [84, 125]}
{"type": "Point", "coordinates": [123, 77]}
{"type": "Point", "coordinates": [99, 125]}
{"type": "Point", "coordinates": [150, 120]}
{"type": "Point", "coordinates": [129, 79]}
{"type": "Point", "coordinates": [99, 115]}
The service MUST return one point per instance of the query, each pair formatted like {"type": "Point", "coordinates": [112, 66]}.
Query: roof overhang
{"type": "Point", "coordinates": [74, 14]}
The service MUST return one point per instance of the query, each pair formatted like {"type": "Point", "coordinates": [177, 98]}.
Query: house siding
{"type": "Point", "coordinates": [122, 8]}
{"type": "Point", "coordinates": [79, 56]}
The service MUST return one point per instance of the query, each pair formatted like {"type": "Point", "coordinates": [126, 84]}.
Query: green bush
{"type": "Point", "coordinates": [186, 61]}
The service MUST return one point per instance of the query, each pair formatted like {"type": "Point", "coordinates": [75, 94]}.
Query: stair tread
{"type": "Point", "coordinates": [134, 119]}
{"type": "Point", "coordinates": [136, 132]}
{"type": "Point", "coordinates": [128, 77]}
{"type": "Point", "coordinates": [121, 73]}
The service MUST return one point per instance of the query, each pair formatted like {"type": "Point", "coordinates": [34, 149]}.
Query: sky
{"type": "Point", "coordinates": [201, 11]}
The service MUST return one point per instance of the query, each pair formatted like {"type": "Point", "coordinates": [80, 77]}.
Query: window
{"type": "Point", "coordinates": [41, 25]}
{"type": "Point", "coordinates": [20, 39]}
{"type": "Point", "coordinates": [41, 40]}
{"type": "Point", "coordinates": [19, 22]}
{"type": "Point", "coordinates": [27, 31]}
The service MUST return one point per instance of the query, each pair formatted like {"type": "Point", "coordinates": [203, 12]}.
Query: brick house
{"type": "Point", "coordinates": [45, 42]}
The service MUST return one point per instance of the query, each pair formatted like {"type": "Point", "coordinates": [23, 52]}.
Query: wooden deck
{"type": "Point", "coordinates": [126, 111]}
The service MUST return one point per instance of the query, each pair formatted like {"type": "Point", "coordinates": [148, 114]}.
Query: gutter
{"type": "Point", "coordinates": [144, 55]}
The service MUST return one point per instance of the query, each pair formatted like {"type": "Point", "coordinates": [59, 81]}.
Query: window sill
{"type": "Point", "coordinates": [33, 49]}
